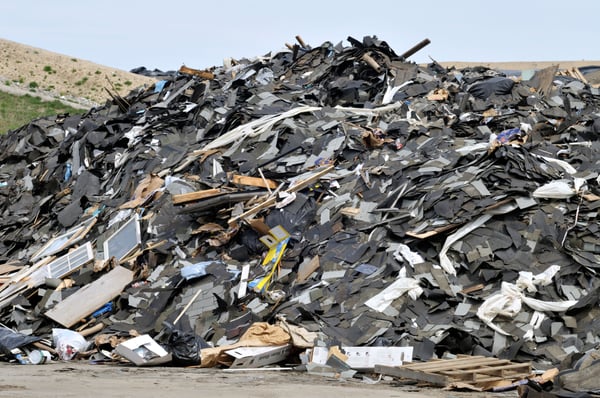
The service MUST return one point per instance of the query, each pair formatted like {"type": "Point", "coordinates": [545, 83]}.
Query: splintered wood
{"type": "Point", "coordinates": [476, 371]}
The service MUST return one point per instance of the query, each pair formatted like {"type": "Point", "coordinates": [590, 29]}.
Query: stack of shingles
{"type": "Point", "coordinates": [423, 204]}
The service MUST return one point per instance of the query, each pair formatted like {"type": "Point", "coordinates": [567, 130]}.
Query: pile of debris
{"type": "Point", "coordinates": [341, 190]}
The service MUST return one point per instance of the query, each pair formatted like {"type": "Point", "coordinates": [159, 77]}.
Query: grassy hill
{"type": "Point", "coordinates": [35, 82]}
{"type": "Point", "coordinates": [62, 76]}
{"type": "Point", "coordinates": [17, 110]}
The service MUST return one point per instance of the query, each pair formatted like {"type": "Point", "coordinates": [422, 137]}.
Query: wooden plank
{"type": "Point", "coordinates": [579, 75]}
{"type": "Point", "coordinates": [490, 370]}
{"type": "Point", "coordinates": [24, 279]}
{"type": "Point", "coordinates": [253, 181]}
{"type": "Point", "coordinates": [403, 372]}
{"type": "Point", "coordinates": [313, 178]}
{"type": "Point", "coordinates": [90, 297]}
{"type": "Point", "coordinates": [473, 288]}
{"type": "Point", "coordinates": [192, 196]}
{"type": "Point", "coordinates": [8, 267]}
{"type": "Point", "coordinates": [266, 204]}
{"type": "Point", "coordinates": [92, 330]}
{"type": "Point", "coordinates": [11, 293]}
{"type": "Point", "coordinates": [433, 232]}
{"type": "Point", "coordinates": [476, 370]}
{"type": "Point", "coordinates": [203, 74]}
{"type": "Point", "coordinates": [306, 269]}
{"type": "Point", "coordinates": [453, 363]}
{"type": "Point", "coordinates": [271, 201]}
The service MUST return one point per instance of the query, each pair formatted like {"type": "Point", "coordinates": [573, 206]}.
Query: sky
{"type": "Point", "coordinates": [167, 34]}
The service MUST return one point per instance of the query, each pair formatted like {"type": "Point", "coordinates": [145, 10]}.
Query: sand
{"type": "Point", "coordinates": [81, 379]}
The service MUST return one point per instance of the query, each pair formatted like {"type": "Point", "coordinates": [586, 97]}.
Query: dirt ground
{"type": "Point", "coordinates": [44, 73]}
{"type": "Point", "coordinates": [520, 65]}
{"type": "Point", "coordinates": [82, 380]}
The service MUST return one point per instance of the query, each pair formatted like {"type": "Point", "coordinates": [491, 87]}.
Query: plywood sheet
{"type": "Point", "coordinates": [90, 297]}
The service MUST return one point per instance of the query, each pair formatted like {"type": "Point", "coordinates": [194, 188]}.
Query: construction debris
{"type": "Point", "coordinates": [473, 372]}
{"type": "Point", "coordinates": [341, 191]}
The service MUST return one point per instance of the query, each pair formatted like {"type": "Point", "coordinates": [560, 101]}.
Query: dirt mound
{"type": "Point", "coordinates": [26, 69]}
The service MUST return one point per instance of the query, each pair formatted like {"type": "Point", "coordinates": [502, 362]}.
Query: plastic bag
{"type": "Point", "coordinates": [559, 189]}
{"type": "Point", "coordinates": [496, 85]}
{"type": "Point", "coordinates": [403, 253]}
{"type": "Point", "coordinates": [402, 285]}
{"type": "Point", "coordinates": [509, 300]}
{"type": "Point", "coordinates": [184, 346]}
{"type": "Point", "coordinates": [68, 343]}
{"type": "Point", "coordinates": [10, 340]}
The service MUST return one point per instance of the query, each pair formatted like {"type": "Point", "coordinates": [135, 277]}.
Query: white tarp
{"type": "Point", "coordinates": [509, 300]}
{"type": "Point", "coordinates": [400, 286]}
{"type": "Point", "coordinates": [559, 189]}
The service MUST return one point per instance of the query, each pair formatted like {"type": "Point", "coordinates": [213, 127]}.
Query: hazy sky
{"type": "Point", "coordinates": [166, 34]}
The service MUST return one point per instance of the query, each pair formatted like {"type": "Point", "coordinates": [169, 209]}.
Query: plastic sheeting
{"type": "Point", "coordinates": [445, 262]}
{"type": "Point", "coordinates": [402, 285]}
{"type": "Point", "coordinates": [509, 300]}
{"type": "Point", "coordinates": [559, 189]}
{"type": "Point", "coordinates": [493, 86]}
{"type": "Point", "coordinates": [10, 340]}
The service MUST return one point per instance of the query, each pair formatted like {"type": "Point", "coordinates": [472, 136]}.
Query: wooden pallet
{"type": "Point", "coordinates": [477, 371]}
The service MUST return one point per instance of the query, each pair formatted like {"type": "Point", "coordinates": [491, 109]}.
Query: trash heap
{"type": "Point", "coordinates": [341, 189]}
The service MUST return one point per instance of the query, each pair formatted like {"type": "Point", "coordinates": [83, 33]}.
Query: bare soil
{"type": "Point", "coordinates": [520, 65]}
{"type": "Point", "coordinates": [82, 380]}
{"type": "Point", "coordinates": [25, 69]}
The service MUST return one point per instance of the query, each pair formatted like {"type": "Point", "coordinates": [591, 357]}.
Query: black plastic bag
{"type": "Point", "coordinates": [184, 347]}
{"type": "Point", "coordinates": [495, 85]}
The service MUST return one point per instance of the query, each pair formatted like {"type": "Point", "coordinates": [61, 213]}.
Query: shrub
{"type": "Point", "coordinates": [82, 81]}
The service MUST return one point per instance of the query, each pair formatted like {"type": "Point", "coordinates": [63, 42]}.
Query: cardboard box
{"type": "Point", "coordinates": [255, 357]}
{"type": "Point", "coordinates": [143, 351]}
{"type": "Point", "coordinates": [366, 357]}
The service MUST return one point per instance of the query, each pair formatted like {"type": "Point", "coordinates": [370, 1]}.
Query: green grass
{"type": "Point", "coordinates": [17, 110]}
{"type": "Point", "coordinates": [82, 81]}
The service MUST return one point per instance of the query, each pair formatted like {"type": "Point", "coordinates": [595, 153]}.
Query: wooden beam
{"type": "Point", "coordinates": [475, 370]}
{"type": "Point", "coordinates": [402, 372]}
{"type": "Point", "coordinates": [8, 267]}
{"type": "Point", "coordinates": [271, 201]}
{"type": "Point", "coordinates": [473, 288]}
{"type": "Point", "coordinates": [300, 41]}
{"type": "Point", "coordinates": [192, 196]}
{"type": "Point", "coordinates": [92, 330]}
{"type": "Point", "coordinates": [433, 232]}
{"type": "Point", "coordinates": [459, 363]}
{"type": "Point", "coordinates": [187, 306]}
{"type": "Point", "coordinates": [203, 74]}
{"type": "Point", "coordinates": [253, 181]}
{"type": "Point", "coordinates": [371, 62]}
{"type": "Point", "coordinates": [23, 274]}
{"type": "Point", "coordinates": [43, 346]}
{"type": "Point", "coordinates": [414, 49]}
{"type": "Point", "coordinates": [306, 269]}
